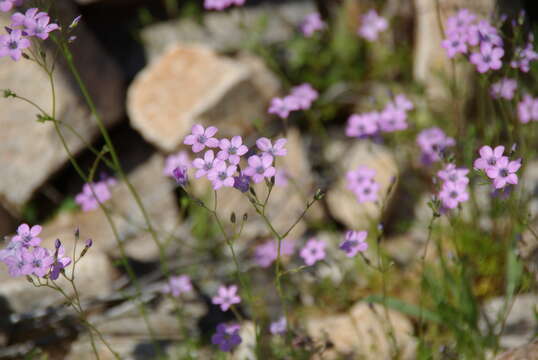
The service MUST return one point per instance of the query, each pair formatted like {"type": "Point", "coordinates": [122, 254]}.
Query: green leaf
{"type": "Point", "coordinates": [404, 307]}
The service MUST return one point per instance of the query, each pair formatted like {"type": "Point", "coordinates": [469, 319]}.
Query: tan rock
{"type": "Point", "coordinates": [342, 203]}
{"type": "Point", "coordinates": [524, 352]}
{"type": "Point", "coordinates": [30, 152]}
{"type": "Point", "coordinates": [192, 84]}
{"type": "Point", "coordinates": [363, 333]}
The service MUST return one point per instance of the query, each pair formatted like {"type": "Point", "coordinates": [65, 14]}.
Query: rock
{"type": "Point", "coordinates": [156, 192]}
{"type": "Point", "coordinates": [221, 91]}
{"type": "Point", "coordinates": [520, 322]}
{"type": "Point", "coordinates": [31, 152]}
{"type": "Point", "coordinates": [247, 349]}
{"type": "Point", "coordinates": [274, 23]}
{"type": "Point", "coordinates": [341, 202]}
{"type": "Point", "coordinates": [363, 333]}
{"type": "Point", "coordinates": [525, 352]}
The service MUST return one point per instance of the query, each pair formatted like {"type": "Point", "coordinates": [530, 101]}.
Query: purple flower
{"type": "Point", "coordinates": [181, 159]}
{"type": "Point", "coordinates": [220, 5]}
{"type": "Point", "coordinates": [60, 263]}
{"type": "Point", "coordinates": [524, 56]}
{"type": "Point", "coordinates": [37, 262]}
{"type": "Point", "coordinates": [362, 125]}
{"type": "Point", "coordinates": [454, 44]}
{"type": "Point", "coordinates": [460, 22]}
{"type": "Point", "coordinates": [27, 235]}
{"type": "Point", "coordinates": [232, 150]}
{"type": "Point", "coordinates": [260, 167]}
{"type": "Point", "coordinates": [452, 174]}
{"type": "Point", "coordinates": [313, 251]}
{"type": "Point", "coordinates": [7, 5]}
{"type": "Point", "coordinates": [13, 44]}
{"type": "Point", "coordinates": [403, 103]}
{"type": "Point", "coordinates": [366, 191]}
{"type": "Point", "coordinates": [372, 24]}
{"type": "Point", "coordinates": [180, 175]}
{"type": "Point", "coordinates": [204, 165]}
{"type": "Point", "coordinates": [311, 24]}
{"type": "Point", "coordinates": [484, 33]}
{"type": "Point", "coordinates": [14, 247]}
{"type": "Point", "coordinates": [302, 96]}
{"type": "Point", "coordinates": [433, 143]}
{"type": "Point", "coordinates": [266, 253]}
{"type": "Point", "coordinates": [31, 15]}
{"type": "Point", "coordinates": [452, 194]}
{"type": "Point", "coordinates": [226, 297]}
{"type": "Point", "coordinates": [283, 106]}
{"type": "Point", "coordinates": [242, 183]}
{"type": "Point", "coordinates": [488, 157]}
{"type": "Point", "coordinates": [178, 285]}
{"type": "Point", "coordinates": [488, 58]}
{"type": "Point", "coordinates": [16, 264]}
{"type": "Point", "coordinates": [201, 138]}
{"type": "Point", "coordinates": [527, 109]}
{"type": "Point", "coordinates": [504, 172]}
{"type": "Point", "coordinates": [226, 337]}
{"type": "Point", "coordinates": [265, 145]}
{"type": "Point", "coordinates": [354, 242]}
{"type": "Point", "coordinates": [359, 176]}
{"type": "Point", "coordinates": [221, 174]}
{"type": "Point", "coordinates": [88, 201]}
{"type": "Point", "coordinates": [392, 119]}
{"type": "Point", "coordinates": [504, 88]}
{"type": "Point", "coordinates": [279, 326]}
{"type": "Point", "coordinates": [39, 27]}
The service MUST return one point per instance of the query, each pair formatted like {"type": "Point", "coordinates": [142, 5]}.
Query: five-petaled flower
{"type": "Point", "coordinates": [201, 138]}
{"type": "Point", "coordinates": [227, 297]}
{"type": "Point", "coordinates": [313, 251]}
{"type": "Point", "coordinates": [260, 167]}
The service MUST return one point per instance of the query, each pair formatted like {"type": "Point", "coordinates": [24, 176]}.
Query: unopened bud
{"type": "Point", "coordinates": [245, 217]}
{"type": "Point", "coordinates": [320, 194]}
{"type": "Point", "coordinates": [75, 22]}
{"type": "Point", "coordinates": [57, 244]}
{"type": "Point", "coordinates": [89, 243]}
{"type": "Point", "coordinates": [77, 233]}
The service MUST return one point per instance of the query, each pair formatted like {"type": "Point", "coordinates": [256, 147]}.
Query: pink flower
{"type": "Point", "coordinates": [260, 167]}
{"type": "Point", "coordinates": [17, 265]}
{"type": "Point", "coordinates": [60, 263]}
{"type": "Point", "coordinates": [359, 176]}
{"type": "Point", "coordinates": [178, 285]}
{"type": "Point", "coordinates": [13, 44]}
{"type": "Point", "coordinates": [278, 327]}
{"type": "Point", "coordinates": [452, 174]}
{"type": "Point", "coordinates": [37, 262]}
{"type": "Point", "coordinates": [200, 138]}
{"type": "Point", "coordinates": [283, 107]}
{"type": "Point", "coordinates": [221, 4]}
{"type": "Point", "coordinates": [39, 27]}
{"type": "Point", "coordinates": [88, 201]}
{"type": "Point", "coordinates": [227, 296]}
{"type": "Point", "coordinates": [484, 33]}
{"type": "Point", "coordinates": [504, 88]}
{"type": "Point", "coordinates": [367, 191]}
{"type": "Point", "coordinates": [265, 145]}
{"type": "Point", "coordinates": [372, 25]}
{"type": "Point", "coordinates": [266, 253]}
{"type": "Point", "coordinates": [489, 58]}
{"type": "Point", "coordinates": [181, 160]}
{"type": "Point", "coordinates": [302, 97]}
{"type": "Point", "coordinates": [27, 235]}
{"type": "Point", "coordinates": [433, 142]}
{"type": "Point", "coordinates": [524, 56]}
{"type": "Point", "coordinates": [221, 174]}
{"type": "Point", "coordinates": [452, 194]}
{"type": "Point", "coordinates": [204, 165]}
{"type": "Point", "coordinates": [362, 125]}
{"type": "Point", "coordinates": [454, 44]}
{"type": "Point", "coordinates": [527, 109]}
{"type": "Point", "coordinates": [311, 24]}
{"type": "Point", "coordinates": [460, 22]}
{"type": "Point", "coordinates": [232, 150]}
{"type": "Point", "coordinates": [403, 103]}
{"type": "Point", "coordinates": [354, 242]}
{"type": "Point", "coordinates": [29, 16]}
{"type": "Point", "coordinates": [504, 172]}
{"type": "Point", "coordinates": [7, 5]}
{"type": "Point", "coordinates": [488, 157]}
{"type": "Point", "coordinates": [392, 119]}
{"type": "Point", "coordinates": [313, 251]}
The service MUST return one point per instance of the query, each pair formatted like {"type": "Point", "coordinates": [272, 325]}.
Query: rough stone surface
{"type": "Point", "coordinates": [30, 152]}
{"type": "Point", "coordinates": [362, 333]}
{"type": "Point", "coordinates": [156, 192]}
{"type": "Point", "coordinates": [192, 84]}
{"type": "Point", "coordinates": [225, 31]}
{"type": "Point", "coordinates": [525, 352]}
{"type": "Point", "coordinates": [341, 202]}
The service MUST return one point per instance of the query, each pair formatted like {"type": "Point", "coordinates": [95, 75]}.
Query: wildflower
{"type": "Point", "coordinates": [265, 145]}
{"type": "Point", "coordinates": [311, 24]}
{"type": "Point", "coordinates": [16, 264]}
{"type": "Point", "coordinates": [452, 174]}
{"type": "Point", "coordinates": [31, 15]}
{"type": "Point", "coordinates": [452, 194]}
{"type": "Point", "coordinates": [204, 165]}
{"type": "Point", "coordinates": [94, 194]}
{"type": "Point", "coordinates": [181, 176]}
{"type": "Point", "coordinates": [201, 138]}
{"type": "Point", "coordinates": [260, 167]}
{"type": "Point", "coordinates": [178, 285]}
{"type": "Point", "coordinates": [221, 174]}
{"type": "Point", "coordinates": [359, 176]}
{"type": "Point", "coordinates": [362, 125]}
{"type": "Point", "coordinates": [403, 103]}
{"type": "Point", "coordinates": [232, 150]}
{"type": "Point", "coordinates": [226, 297]}
{"type": "Point", "coordinates": [302, 96]}
{"type": "Point", "coordinates": [454, 44]}
{"type": "Point", "coordinates": [524, 56]}
{"type": "Point", "coordinates": [460, 22]}
{"type": "Point", "coordinates": [279, 326]}
{"type": "Point", "coordinates": [266, 253]}
{"type": "Point", "coordinates": [354, 242]}
{"type": "Point", "coordinates": [282, 106]}
{"type": "Point", "coordinates": [433, 142]}
{"type": "Point", "coordinates": [242, 183]}
{"type": "Point", "coordinates": [7, 5]}
{"type": "Point", "coordinates": [488, 157]}
{"type": "Point", "coordinates": [313, 251]}
{"type": "Point", "coordinates": [12, 248]}
{"type": "Point", "coordinates": [372, 24]}
{"type": "Point", "coordinates": [181, 159]}
{"type": "Point", "coordinates": [27, 235]}
{"type": "Point", "coordinates": [504, 88]}
{"type": "Point", "coordinates": [366, 191]}
{"type": "Point", "coordinates": [488, 58]}
{"type": "Point", "coordinates": [226, 337]}
{"type": "Point", "coordinates": [392, 119]}
{"type": "Point", "coordinates": [484, 33]}
{"type": "Point", "coordinates": [504, 172]}
{"type": "Point", "coordinates": [527, 109]}
{"type": "Point", "coordinates": [40, 27]}
{"type": "Point", "coordinates": [61, 262]}
{"type": "Point", "coordinates": [75, 22]}
{"type": "Point", "coordinates": [37, 262]}
{"type": "Point", "coordinates": [221, 4]}
{"type": "Point", "coordinates": [13, 44]}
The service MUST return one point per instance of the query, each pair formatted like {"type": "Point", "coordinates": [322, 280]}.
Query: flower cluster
{"type": "Point", "coordinates": [220, 5]}
{"type": "Point", "coordinates": [497, 167]}
{"type": "Point", "coordinates": [527, 109]}
{"type": "Point", "coordinates": [266, 253]}
{"type": "Point", "coordinates": [94, 194]}
{"type": "Point", "coordinates": [33, 23]}
{"type": "Point", "coordinates": [222, 169]}
{"type": "Point", "coordinates": [313, 251]}
{"type": "Point", "coordinates": [454, 187]}
{"type": "Point", "coordinates": [392, 118]}
{"type": "Point", "coordinates": [464, 31]}
{"type": "Point", "coordinates": [354, 243]}
{"type": "Point", "coordinates": [504, 89]}
{"type": "Point", "coordinates": [24, 256]}
{"type": "Point", "coordinates": [362, 183]}
{"type": "Point", "coordinates": [523, 56]}
{"type": "Point", "coordinates": [433, 142]}
{"type": "Point", "coordinates": [300, 98]}
{"type": "Point", "coordinates": [371, 25]}
{"type": "Point", "coordinates": [311, 24]}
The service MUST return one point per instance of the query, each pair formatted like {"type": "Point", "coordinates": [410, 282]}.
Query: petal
{"type": "Point", "coordinates": [498, 152]}
{"type": "Point", "coordinates": [198, 163]}
{"type": "Point", "coordinates": [514, 166]}
{"type": "Point", "coordinates": [280, 143]}
{"type": "Point", "coordinates": [210, 131]}
{"type": "Point", "coordinates": [23, 229]}
{"type": "Point", "coordinates": [237, 141]}
{"type": "Point", "coordinates": [264, 144]}
{"type": "Point", "coordinates": [224, 144]}
{"type": "Point", "coordinates": [254, 161]}
{"type": "Point", "coordinates": [269, 172]}
{"type": "Point", "coordinates": [512, 179]}
{"type": "Point", "coordinates": [198, 129]}
{"type": "Point", "coordinates": [266, 160]}
{"type": "Point", "coordinates": [35, 230]}
{"type": "Point", "coordinates": [212, 143]}
{"type": "Point", "coordinates": [189, 140]}
{"type": "Point", "coordinates": [209, 156]}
